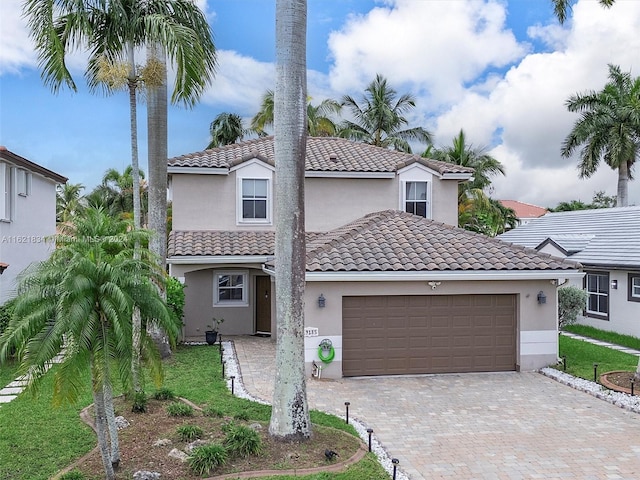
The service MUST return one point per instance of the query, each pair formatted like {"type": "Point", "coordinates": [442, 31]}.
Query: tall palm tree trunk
{"type": "Point", "coordinates": [623, 185]}
{"type": "Point", "coordinates": [111, 425]}
{"type": "Point", "coordinates": [137, 222]}
{"type": "Point", "coordinates": [157, 147]}
{"type": "Point", "coordinates": [290, 413]}
{"type": "Point", "coordinates": [101, 425]}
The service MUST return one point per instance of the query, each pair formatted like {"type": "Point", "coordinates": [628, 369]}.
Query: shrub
{"type": "Point", "coordinates": [73, 475]}
{"type": "Point", "coordinates": [179, 409]}
{"type": "Point", "coordinates": [6, 311]}
{"type": "Point", "coordinates": [207, 457]}
{"type": "Point", "coordinates": [241, 416]}
{"type": "Point", "coordinates": [164, 394]}
{"type": "Point", "coordinates": [571, 302]}
{"type": "Point", "coordinates": [242, 441]}
{"type": "Point", "coordinates": [212, 411]}
{"type": "Point", "coordinates": [188, 433]}
{"type": "Point", "coordinates": [139, 404]}
{"type": "Point", "coordinates": [175, 300]}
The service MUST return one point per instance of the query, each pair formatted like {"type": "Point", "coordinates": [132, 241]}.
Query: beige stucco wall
{"type": "Point", "coordinates": [536, 324]}
{"type": "Point", "coordinates": [208, 202]}
{"type": "Point", "coordinates": [23, 239]}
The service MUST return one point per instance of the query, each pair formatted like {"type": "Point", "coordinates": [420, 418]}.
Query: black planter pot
{"type": "Point", "coordinates": [211, 336]}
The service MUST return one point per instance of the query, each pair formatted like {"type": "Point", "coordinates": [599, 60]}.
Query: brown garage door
{"type": "Point", "coordinates": [391, 335]}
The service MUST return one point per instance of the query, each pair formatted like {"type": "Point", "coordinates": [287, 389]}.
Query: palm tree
{"type": "Point", "coordinates": [68, 201]}
{"type": "Point", "coordinates": [609, 129]}
{"type": "Point", "coordinates": [226, 129]}
{"type": "Point", "coordinates": [476, 210]}
{"type": "Point", "coordinates": [290, 413]}
{"type": "Point", "coordinates": [379, 118]}
{"type": "Point", "coordinates": [78, 303]}
{"type": "Point", "coordinates": [319, 122]}
{"type": "Point", "coordinates": [115, 193]}
{"type": "Point", "coordinates": [561, 7]}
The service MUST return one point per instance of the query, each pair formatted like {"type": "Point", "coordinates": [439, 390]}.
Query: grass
{"type": "Point", "coordinates": [47, 439]}
{"type": "Point", "coordinates": [611, 337]}
{"type": "Point", "coordinates": [7, 373]}
{"type": "Point", "coordinates": [582, 355]}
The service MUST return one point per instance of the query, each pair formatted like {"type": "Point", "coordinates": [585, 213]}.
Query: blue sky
{"type": "Point", "coordinates": [499, 69]}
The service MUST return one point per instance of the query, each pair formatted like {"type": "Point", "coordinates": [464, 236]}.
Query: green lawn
{"type": "Point", "coordinates": [611, 337]}
{"type": "Point", "coordinates": [7, 373]}
{"type": "Point", "coordinates": [37, 440]}
{"type": "Point", "coordinates": [582, 355]}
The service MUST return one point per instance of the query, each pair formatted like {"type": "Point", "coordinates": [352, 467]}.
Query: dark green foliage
{"type": "Point", "coordinates": [175, 300]}
{"type": "Point", "coordinates": [179, 409]}
{"type": "Point", "coordinates": [241, 440]}
{"type": "Point", "coordinates": [6, 310]}
{"type": "Point", "coordinates": [212, 411]}
{"type": "Point", "coordinates": [73, 475]}
{"type": "Point", "coordinates": [164, 394]}
{"type": "Point", "coordinates": [188, 433]}
{"type": "Point", "coordinates": [207, 457]}
{"type": "Point", "coordinates": [139, 404]}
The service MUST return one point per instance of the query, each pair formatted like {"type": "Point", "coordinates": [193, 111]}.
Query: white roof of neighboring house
{"type": "Point", "coordinates": [602, 237]}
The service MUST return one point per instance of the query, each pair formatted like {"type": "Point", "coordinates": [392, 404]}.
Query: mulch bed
{"type": "Point", "coordinates": [620, 381]}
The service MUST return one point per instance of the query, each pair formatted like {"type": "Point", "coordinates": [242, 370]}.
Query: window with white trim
{"type": "Point", "coordinates": [230, 288]}
{"type": "Point", "coordinates": [255, 199]}
{"type": "Point", "coordinates": [634, 287]}
{"type": "Point", "coordinates": [597, 287]}
{"type": "Point", "coordinates": [24, 182]}
{"type": "Point", "coordinates": [5, 192]}
{"type": "Point", "coordinates": [416, 198]}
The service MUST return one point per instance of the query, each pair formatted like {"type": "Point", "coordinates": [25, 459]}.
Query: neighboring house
{"type": "Point", "coordinates": [606, 242]}
{"type": "Point", "coordinates": [525, 212]}
{"type": "Point", "coordinates": [27, 216]}
{"type": "Point", "coordinates": [394, 292]}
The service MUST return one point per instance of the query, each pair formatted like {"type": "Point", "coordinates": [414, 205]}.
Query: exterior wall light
{"type": "Point", "coordinates": [614, 284]}
{"type": "Point", "coordinates": [542, 298]}
{"type": "Point", "coordinates": [322, 301]}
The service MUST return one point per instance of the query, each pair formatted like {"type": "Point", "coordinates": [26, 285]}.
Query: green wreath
{"type": "Point", "coordinates": [329, 358]}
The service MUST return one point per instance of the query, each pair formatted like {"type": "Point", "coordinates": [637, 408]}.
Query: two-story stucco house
{"type": "Point", "coordinates": [27, 216]}
{"type": "Point", "coordinates": [391, 282]}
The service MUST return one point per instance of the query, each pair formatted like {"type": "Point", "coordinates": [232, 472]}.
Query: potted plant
{"type": "Point", "coordinates": [211, 334]}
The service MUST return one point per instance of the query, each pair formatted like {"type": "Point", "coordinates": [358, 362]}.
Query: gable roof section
{"type": "Point", "coordinates": [607, 237]}
{"type": "Point", "coordinates": [524, 210]}
{"type": "Point", "coordinates": [324, 154]}
{"type": "Point", "coordinates": [18, 161]}
{"type": "Point", "coordinates": [390, 241]}
{"type": "Point", "coordinates": [395, 241]}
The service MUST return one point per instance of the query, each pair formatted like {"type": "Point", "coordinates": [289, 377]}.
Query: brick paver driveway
{"type": "Point", "coordinates": [474, 426]}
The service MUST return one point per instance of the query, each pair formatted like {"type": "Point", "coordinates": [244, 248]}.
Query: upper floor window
{"type": "Point", "coordinates": [416, 198]}
{"type": "Point", "coordinates": [24, 182]}
{"type": "Point", "coordinates": [255, 199]}
{"type": "Point", "coordinates": [230, 288]}
{"type": "Point", "coordinates": [597, 286]}
{"type": "Point", "coordinates": [634, 287]}
{"type": "Point", "coordinates": [5, 192]}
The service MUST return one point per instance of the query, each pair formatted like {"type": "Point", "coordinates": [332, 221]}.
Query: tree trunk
{"type": "Point", "coordinates": [157, 146]}
{"type": "Point", "coordinates": [290, 413]}
{"type": "Point", "coordinates": [111, 424]}
{"type": "Point", "coordinates": [101, 427]}
{"type": "Point", "coordinates": [137, 223]}
{"type": "Point", "coordinates": [623, 185]}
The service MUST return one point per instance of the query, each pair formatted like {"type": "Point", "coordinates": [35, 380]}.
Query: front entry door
{"type": "Point", "coordinates": [263, 304]}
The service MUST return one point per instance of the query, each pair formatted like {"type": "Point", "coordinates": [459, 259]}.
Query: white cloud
{"type": "Point", "coordinates": [16, 48]}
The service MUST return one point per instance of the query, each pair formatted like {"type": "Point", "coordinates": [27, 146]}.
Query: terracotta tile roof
{"type": "Point", "coordinates": [397, 241]}
{"type": "Point", "coordinates": [324, 154]}
{"type": "Point", "coordinates": [524, 210]}
{"type": "Point", "coordinates": [218, 243]}
{"type": "Point", "coordinates": [384, 241]}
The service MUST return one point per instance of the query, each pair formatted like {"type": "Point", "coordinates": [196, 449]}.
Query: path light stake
{"type": "Point", "coordinates": [595, 372]}
{"type": "Point", "coordinates": [632, 382]}
{"type": "Point", "coordinates": [346, 404]}
{"type": "Point", "coordinates": [221, 352]}
{"type": "Point", "coordinates": [233, 378]}
{"type": "Point", "coordinates": [395, 462]}
{"type": "Point", "coordinates": [223, 364]}
{"type": "Point", "coordinates": [564, 363]}
{"type": "Point", "coordinates": [369, 431]}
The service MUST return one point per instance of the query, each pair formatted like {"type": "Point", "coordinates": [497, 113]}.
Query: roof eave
{"type": "Point", "coordinates": [217, 259]}
{"type": "Point", "coordinates": [506, 275]}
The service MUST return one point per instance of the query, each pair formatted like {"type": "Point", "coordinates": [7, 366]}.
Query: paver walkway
{"type": "Point", "coordinates": [620, 348]}
{"type": "Point", "coordinates": [473, 426]}
{"type": "Point", "coordinates": [11, 391]}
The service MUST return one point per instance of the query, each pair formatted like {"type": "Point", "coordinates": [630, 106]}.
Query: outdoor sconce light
{"type": "Point", "coordinates": [614, 284]}
{"type": "Point", "coordinates": [3, 267]}
{"type": "Point", "coordinates": [542, 298]}
{"type": "Point", "coordinates": [321, 301]}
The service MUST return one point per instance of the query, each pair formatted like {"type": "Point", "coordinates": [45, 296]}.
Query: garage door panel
{"type": "Point", "coordinates": [428, 334]}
